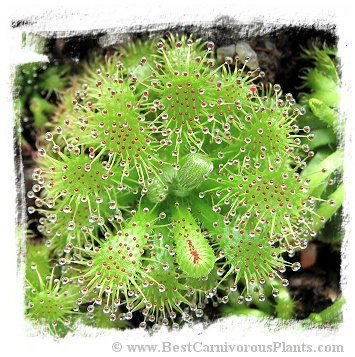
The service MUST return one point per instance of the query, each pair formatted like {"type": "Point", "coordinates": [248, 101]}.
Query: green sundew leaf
{"type": "Point", "coordinates": [321, 154]}
{"type": "Point", "coordinates": [322, 137]}
{"type": "Point", "coordinates": [54, 80]}
{"type": "Point", "coordinates": [285, 305]}
{"type": "Point", "coordinates": [102, 321]}
{"type": "Point", "coordinates": [320, 173]}
{"type": "Point", "coordinates": [39, 255]}
{"type": "Point", "coordinates": [327, 210]}
{"type": "Point", "coordinates": [331, 314]}
{"type": "Point", "coordinates": [41, 110]}
{"type": "Point", "coordinates": [330, 98]}
{"type": "Point", "coordinates": [325, 113]}
{"type": "Point", "coordinates": [323, 61]}
{"type": "Point", "coordinates": [206, 216]}
{"type": "Point", "coordinates": [193, 251]}
{"type": "Point", "coordinates": [309, 119]}
{"type": "Point", "coordinates": [132, 52]}
{"type": "Point", "coordinates": [325, 65]}
{"type": "Point", "coordinates": [319, 82]}
{"type": "Point", "coordinates": [262, 305]}
{"type": "Point", "coordinates": [332, 232]}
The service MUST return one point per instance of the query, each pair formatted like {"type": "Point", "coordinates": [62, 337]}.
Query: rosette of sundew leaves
{"type": "Point", "coordinates": [36, 89]}
{"type": "Point", "coordinates": [173, 184]}
{"type": "Point", "coordinates": [50, 296]}
{"type": "Point", "coordinates": [322, 100]}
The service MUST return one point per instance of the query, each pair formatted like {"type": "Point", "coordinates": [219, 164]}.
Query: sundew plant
{"type": "Point", "coordinates": [167, 184]}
